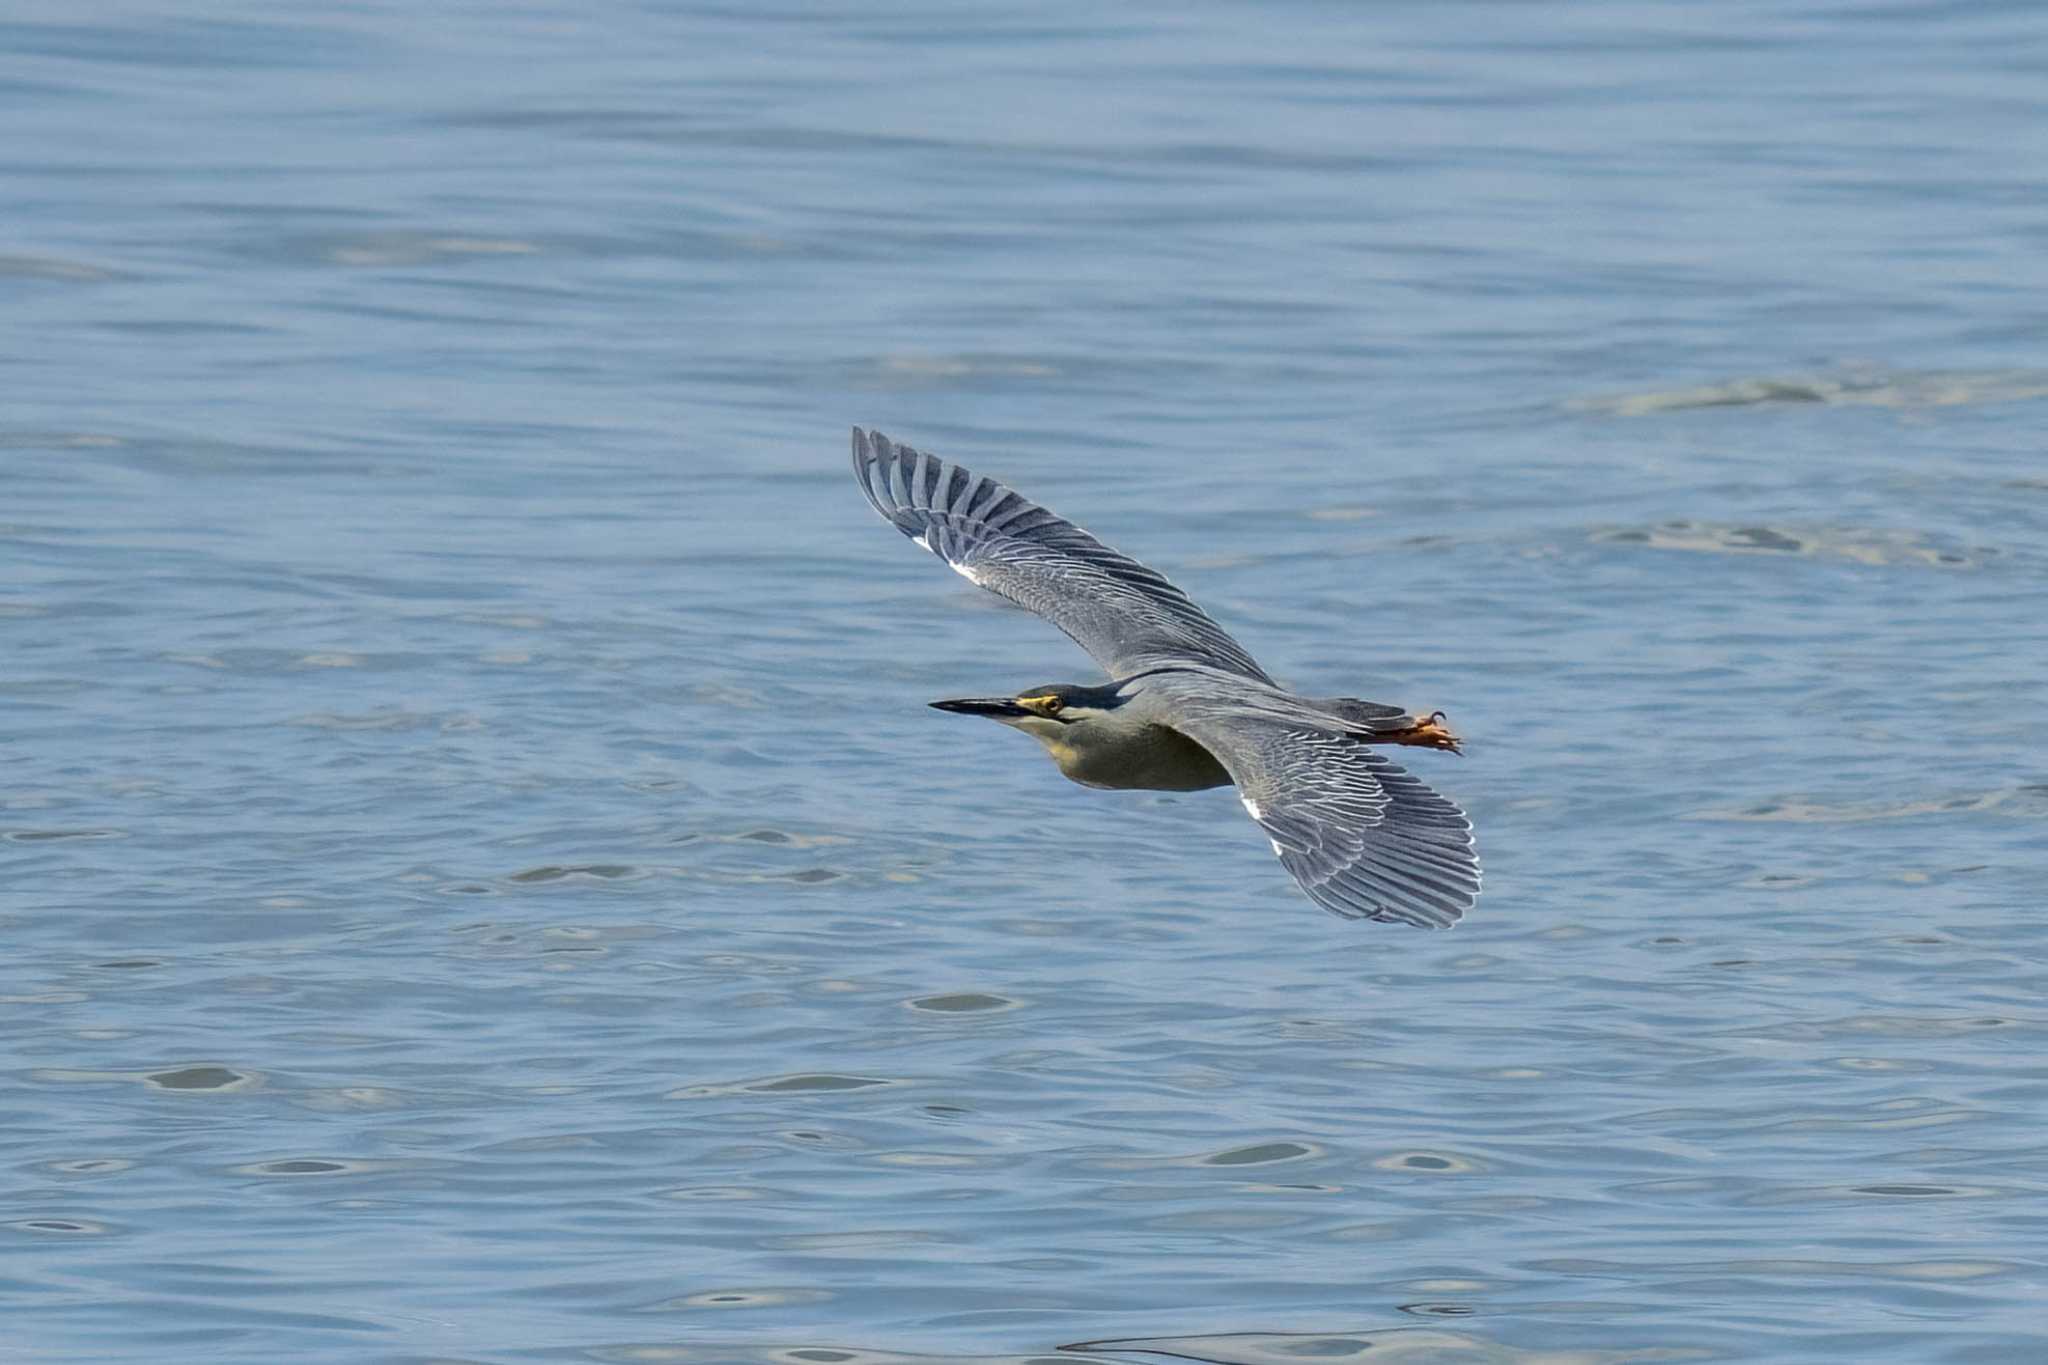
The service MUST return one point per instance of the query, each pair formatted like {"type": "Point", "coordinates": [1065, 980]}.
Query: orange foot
{"type": "Point", "coordinates": [1430, 733]}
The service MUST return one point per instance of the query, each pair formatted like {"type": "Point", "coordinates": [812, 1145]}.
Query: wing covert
{"type": "Point", "coordinates": [1128, 617]}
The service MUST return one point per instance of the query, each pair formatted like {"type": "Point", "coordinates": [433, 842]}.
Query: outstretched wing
{"type": "Point", "coordinates": [1128, 617]}
{"type": "Point", "coordinates": [1362, 836]}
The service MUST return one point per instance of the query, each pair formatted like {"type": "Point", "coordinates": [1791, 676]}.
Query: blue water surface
{"type": "Point", "coordinates": [480, 880]}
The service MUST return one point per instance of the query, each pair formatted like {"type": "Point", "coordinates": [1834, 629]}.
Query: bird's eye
{"type": "Point", "coordinates": [1051, 706]}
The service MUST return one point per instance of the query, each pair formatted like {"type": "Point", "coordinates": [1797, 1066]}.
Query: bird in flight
{"type": "Point", "coordinates": [1186, 707]}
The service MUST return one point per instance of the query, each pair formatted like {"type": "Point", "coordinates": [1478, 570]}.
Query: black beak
{"type": "Point", "coordinates": [996, 708]}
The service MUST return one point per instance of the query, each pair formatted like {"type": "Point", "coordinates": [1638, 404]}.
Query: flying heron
{"type": "Point", "coordinates": [1187, 707]}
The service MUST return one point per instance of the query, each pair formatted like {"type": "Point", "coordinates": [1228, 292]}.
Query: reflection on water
{"type": "Point", "coordinates": [1861, 387]}
{"type": "Point", "coordinates": [1860, 545]}
{"type": "Point", "coordinates": [1392, 1346]}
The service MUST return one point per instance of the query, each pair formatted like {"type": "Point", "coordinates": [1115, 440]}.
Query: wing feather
{"type": "Point", "coordinates": [1128, 617]}
{"type": "Point", "coordinates": [1363, 836]}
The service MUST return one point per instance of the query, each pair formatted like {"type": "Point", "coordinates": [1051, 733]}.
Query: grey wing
{"type": "Point", "coordinates": [1128, 617]}
{"type": "Point", "coordinates": [1361, 835]}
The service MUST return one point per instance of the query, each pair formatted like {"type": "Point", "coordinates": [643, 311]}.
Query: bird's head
{"type": "Point", "coordinates": [1045, 713]}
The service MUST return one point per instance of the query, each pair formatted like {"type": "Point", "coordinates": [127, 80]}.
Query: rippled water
{"type": "Point", "coordinates": [482, 883]}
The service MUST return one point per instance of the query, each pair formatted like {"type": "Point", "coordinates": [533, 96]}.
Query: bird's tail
{"type": "Point", "coordinates": [1378, 723]}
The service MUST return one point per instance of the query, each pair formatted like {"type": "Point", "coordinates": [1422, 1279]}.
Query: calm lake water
{"type": "Point", "coordinates": [481, 881]}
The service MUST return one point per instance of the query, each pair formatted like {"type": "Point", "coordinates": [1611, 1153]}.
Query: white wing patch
{"type": "Point", "coordinates": [929, 541]}
{"type": "Point", "coordinates": [1256, 811]}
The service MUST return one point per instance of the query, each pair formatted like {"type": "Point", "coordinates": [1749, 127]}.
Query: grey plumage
{"type": "Point", "coordinates": [1128, 617]}
{"type": "Point", "coordinates": [1361, 836]}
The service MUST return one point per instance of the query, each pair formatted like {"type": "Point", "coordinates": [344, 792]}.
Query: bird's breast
{"type": "Point", "coordinates": [1149, 758]}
